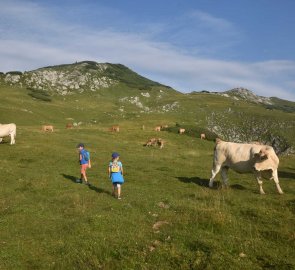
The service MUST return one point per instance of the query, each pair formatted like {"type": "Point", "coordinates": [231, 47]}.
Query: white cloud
{"type": "Point", "coordinates": [37, 40]}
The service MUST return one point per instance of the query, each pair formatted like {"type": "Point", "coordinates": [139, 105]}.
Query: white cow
{"type": "Point", "coordinates": [8, 130]}
{"type": "Point", "coordinates": [259, 159]}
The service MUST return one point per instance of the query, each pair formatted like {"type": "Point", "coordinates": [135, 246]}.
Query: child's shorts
{"type": "Point", "coordinates": [83, 168]}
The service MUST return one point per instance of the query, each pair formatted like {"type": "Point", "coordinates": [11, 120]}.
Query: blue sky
{"type": "Point", "coordinates": [190, 45]}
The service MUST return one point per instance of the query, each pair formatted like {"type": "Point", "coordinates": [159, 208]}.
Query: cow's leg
{"type": "Point", "coordinates": [12, 140]}
{"type": "Point", "coordinates": [276, 179]}
{"type": "Point", "coordinates": [215, 170]}
{"type": "Point", "coordinates": [224, 177]}
{"type": "Point", "coordinates": [259, 181]}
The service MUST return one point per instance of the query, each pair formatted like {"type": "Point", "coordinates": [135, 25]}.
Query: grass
{"type": "Point", "coordinates": [168, 218]}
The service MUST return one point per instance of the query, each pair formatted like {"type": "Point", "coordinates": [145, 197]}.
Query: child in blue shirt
{"type": "Point", "coordinates": [116, 174]}
{"type": "Point", "coordinates": [84, 160]}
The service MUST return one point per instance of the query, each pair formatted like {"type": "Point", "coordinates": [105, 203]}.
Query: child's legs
{"type": "Point", "coordinates": [83, 171]}
{"type": "Point", "coordinates": [119, 189]}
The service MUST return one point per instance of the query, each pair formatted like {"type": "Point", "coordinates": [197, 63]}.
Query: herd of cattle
{"type": "Point", "coordinates": [253, 157]}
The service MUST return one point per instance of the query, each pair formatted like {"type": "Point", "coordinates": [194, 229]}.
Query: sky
{"type": "Point", "coordinates": [190, 45]}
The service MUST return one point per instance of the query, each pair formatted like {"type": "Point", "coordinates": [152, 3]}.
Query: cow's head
{"type": "Point", "coordinates": [263, 161]}
{"type": "Point", "coordinates": [261, 155]}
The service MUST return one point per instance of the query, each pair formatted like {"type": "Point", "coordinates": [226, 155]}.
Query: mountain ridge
{"type": "Point", "coordinates": [78, 77]}
{"type": "Point", "coordinates": [83, 76]}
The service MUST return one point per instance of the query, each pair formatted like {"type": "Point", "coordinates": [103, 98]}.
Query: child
{"type": "Point", "coordinates": [84, 160]}
{"type": "Point", "coordinates": [116, 174]}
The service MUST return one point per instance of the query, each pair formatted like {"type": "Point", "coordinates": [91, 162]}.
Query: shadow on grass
{"type": "Point", "coordinates": [70, 177]}
{"type": "Point", "coordinates": [237, 186]}
{"type": "Point", "coordinates": [199, 181]}
{"type": "Point", "coordinates": [205, 183]}
{"type": "Point", "coordinates": [286, 175]}
{"type": "Point", "coordinates": [74, 180]}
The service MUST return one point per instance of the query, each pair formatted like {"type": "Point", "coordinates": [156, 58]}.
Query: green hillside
{"type": "Point", "coordinates": [168, 218]}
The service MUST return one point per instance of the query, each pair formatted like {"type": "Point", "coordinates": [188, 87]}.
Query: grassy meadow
{"type": "Point", "coordinates": [168, 218]}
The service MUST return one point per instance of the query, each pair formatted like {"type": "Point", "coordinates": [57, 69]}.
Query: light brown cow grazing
{"type": "Point", "coordinates": [160, 143]}
{"type": "Point", "coordinates": [158, 128]}
{"type": "Point", "coordinates": [151, 142]}
{"type": "Point", "coordinates": [47, 128]}
{"type": "Point", "coordinates": [69, 125]}
{"type": "Point", "coordinates": [115, 128]}
{"type": "Point", "coordinates": [203, 136]}
{"type": "Point", "coordinates": [259, 159]}
{"type": "Point", "coordinates": [181, 130]}
{"type": "Point", "coordinates": [154, 142]}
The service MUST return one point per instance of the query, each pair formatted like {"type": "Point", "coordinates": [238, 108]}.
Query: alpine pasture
{"type": "Point", "coordinates": [168, 218]}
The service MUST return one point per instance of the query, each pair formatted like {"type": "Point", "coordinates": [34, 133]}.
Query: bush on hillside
{"type": "Point", "coordinates": [39, 94]}
{"type": "Point", "coordinates": [14, 73]}
{"type": "Point", "coordinates": [240, 127]}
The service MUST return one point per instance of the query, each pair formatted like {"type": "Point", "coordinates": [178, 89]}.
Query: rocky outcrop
{"type": "Point", "coordinates": [64, 79]}
{"type": "Point", "coordinates": [245, 94]}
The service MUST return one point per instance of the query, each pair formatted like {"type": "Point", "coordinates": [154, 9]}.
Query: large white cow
{"type": "Point", "coordinates": [259, 159]}
{"type": "Point", "coordinates": [8, 130]}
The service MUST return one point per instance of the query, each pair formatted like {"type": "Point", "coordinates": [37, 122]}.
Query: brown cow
{"type": "Point", "coordinates": [259, 159]}
{"type": "Point", "coordinates": [69, 125]}
{"type": "Point", "coordinates": [203, 136]}
{"type": "Point", "coordinates": [115, 128]}
{"type": "Point", "coordinates": [181, 130]}
{"type": "Point", "coordinates": [154, 142]}
{"type": "Point", "coordinates": [158, 128]}
{"type": "Point", "coordinates": [47, 128]}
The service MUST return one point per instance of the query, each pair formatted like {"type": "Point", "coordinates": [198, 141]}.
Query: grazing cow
{"type": "Point", "coordinates": [69, 125]}
{"type": "Point", "coordinates": [115, 128]}
{"type": "Point", "coordinates": [47, 128]}
{"type": "Point", "coordinates": [203, 136]}
{"type": "Point", "coordinates": [160, 142]}
{"type": "Point", "coordinates": [151, 142]}
{"type": "Point", "coordinates": [259, 159]}
{"type": "Point", "coordinates": [158, 128]}
{"type": "Point", "coordinates": [181, 130]}
{"type": "Point", "coordinates": [155, 141]}
{"type": "Point", "coordinates": [8, 130]}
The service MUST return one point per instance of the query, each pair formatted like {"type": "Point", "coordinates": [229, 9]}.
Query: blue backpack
{"type": "Point", "coordinates": [86, 155]}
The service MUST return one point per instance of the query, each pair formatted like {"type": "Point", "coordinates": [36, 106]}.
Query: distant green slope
{"type": "Point", "coordinates": [90, 92]}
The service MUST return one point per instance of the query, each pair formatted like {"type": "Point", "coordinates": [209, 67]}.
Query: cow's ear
{"type": "Point", "coordinates": [257, 155]}
{"type": "Point", "coordinates": [263, 154]}
{"type": "Point", "coordinates": [264, 157]}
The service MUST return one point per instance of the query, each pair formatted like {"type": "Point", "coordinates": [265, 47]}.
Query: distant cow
{"type": "Point", "coordinates": [203, 136]}
{"type": "Point", "coordinates": [154, 142]}
{"type": "Point", "coordinates": [8, 130]}
{"type": "Point", "coordinates": [181, 130]}
{"type": "Point", "coordinates": [259, 159]}
{"type": "Point", "coordinates": [47, 128]}
{"type": "Point", "coordinates": [158, 128]}
{"type": "Point", "coordinates": [115, 128]}
{"type": "Point", "coordinates": [69, 125]}
{"type": "Point", "coordinates": [164, 126]}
